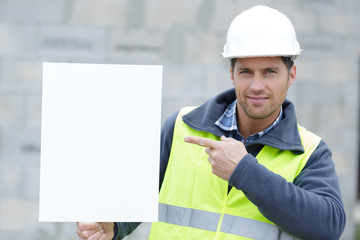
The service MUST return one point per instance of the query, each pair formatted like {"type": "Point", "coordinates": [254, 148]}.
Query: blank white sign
{"type": "Point", "coordinates": [100, 142]}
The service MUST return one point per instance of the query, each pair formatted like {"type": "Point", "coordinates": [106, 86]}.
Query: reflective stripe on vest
{"type": "Point", "coordinates": [209, 221]}
{"type": "Point", "coordinates": [188, 217]}
{"type": "Point", "coordinates": [195, 204]}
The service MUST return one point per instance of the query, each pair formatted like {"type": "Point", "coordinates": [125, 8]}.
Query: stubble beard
{"type": "Point", "coordinates": [265, 114]}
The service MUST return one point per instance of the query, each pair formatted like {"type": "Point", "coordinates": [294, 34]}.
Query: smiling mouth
{"type": "Point", "coordinates": [258, 100]}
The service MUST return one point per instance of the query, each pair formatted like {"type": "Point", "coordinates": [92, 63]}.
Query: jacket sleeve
{"type": "Point", "coordinates": [123, 229]}
{"type": "Point", "coordinates": [309, 208]}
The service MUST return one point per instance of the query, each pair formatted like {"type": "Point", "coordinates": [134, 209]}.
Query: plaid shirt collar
{"type": "Point", "coordinates": [228, 122]}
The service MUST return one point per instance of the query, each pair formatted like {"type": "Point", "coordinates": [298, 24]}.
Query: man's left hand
{"type": "Point", "coordinates": [224, 155]}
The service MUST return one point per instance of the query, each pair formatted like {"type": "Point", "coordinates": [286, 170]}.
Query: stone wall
{"type": "Point", "coordinates": [187, 38]}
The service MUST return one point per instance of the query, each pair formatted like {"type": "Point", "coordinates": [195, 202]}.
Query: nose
{"type": "Point", "coordinates": [257, 84]}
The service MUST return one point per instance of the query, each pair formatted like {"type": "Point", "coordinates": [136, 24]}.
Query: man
{"type": "Point", "coordinates": [240, 166]}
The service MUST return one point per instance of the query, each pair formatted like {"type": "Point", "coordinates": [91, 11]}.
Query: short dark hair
{"type": "Point", "coordinates": [288, 61]}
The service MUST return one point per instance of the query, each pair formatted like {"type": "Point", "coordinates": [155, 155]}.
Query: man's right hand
{"type": "Point", "coordinates": [95, 230]}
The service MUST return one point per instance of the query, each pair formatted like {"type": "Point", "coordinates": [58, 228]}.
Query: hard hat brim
{"type": "Point", "coordinates": [260, 55]}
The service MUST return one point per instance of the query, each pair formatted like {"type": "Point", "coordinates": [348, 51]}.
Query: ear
{"type": "Point", "coordinates": [292, 76]}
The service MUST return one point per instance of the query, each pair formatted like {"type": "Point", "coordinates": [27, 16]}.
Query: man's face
{"type": "Point", "coordinates": [261, 85]}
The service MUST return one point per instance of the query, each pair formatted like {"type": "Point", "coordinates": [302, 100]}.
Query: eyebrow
{"type": "Point", "coordinates": [241, 69]}
{"type": "Point", "coordinates": [272, 68]}
{"type": "Point", "coordinates": [265, 69]}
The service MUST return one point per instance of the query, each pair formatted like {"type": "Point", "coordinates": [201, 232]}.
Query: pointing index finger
{"type": "Point", "coordinates": [201, 141]}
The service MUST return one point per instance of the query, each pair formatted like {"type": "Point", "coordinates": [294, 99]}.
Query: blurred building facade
{"type": "Point", "coordinates": [187, 38]}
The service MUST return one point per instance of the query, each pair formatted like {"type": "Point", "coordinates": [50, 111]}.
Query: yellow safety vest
{"type": "Point", "coordinates": [195, 204]}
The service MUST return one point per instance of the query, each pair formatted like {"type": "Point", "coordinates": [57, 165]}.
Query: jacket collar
{"type": "Point", "coordinates": [284, 136]}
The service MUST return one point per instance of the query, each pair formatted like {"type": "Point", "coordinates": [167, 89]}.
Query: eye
{"type": "Point", "coordinates": [270, 71]}
{"type": "Point", "coordinates": [244, 71]}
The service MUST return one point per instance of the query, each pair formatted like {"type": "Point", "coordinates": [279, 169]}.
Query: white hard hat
{"type": "Point", "coordinates": [261, 31]}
